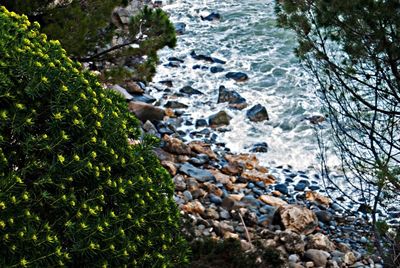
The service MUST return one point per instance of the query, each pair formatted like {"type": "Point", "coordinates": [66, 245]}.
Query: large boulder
{"type": "Point", "coordinates": [219, 119]}
{"type": "Point", "coordinates": [297, 218]}
{"type": "Point", "coordinates": [257, 113]}
{"type": "Point", "coordinates": [145, 111]}
{"type": "Point", "coordinates": [232, 97]}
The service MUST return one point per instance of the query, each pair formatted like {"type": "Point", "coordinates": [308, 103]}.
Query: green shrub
{"type": "Point", "coordinates": [73, 192]}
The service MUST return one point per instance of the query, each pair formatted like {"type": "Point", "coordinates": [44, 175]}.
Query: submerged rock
{"type": "Point", "coordinates": [206, 58]}
{"type": "Point", "coordinates": [213, 16]}
{"type": "Point", "coordinates": [237, 76]}
{"type": "Point", "coordinates": [180, 27]}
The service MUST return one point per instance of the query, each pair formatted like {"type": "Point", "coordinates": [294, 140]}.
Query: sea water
{"type": "Point", "coordinates": [248, 39]}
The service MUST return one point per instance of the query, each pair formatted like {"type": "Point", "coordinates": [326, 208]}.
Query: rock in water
{"type": "Point", "coordinates": [219, 119]}
{"type": "Point", "coordinates": [257, 113]}
{"type": "Point", "coordinates": [144, 111]}
{"type": "Point", "coordinates": [197, 173]}
{"type": "Point", "coordinates": [216, 69]}
{"type": "Point", "coordinates": [190, 91]}
{"type": "Point", "coordinates": [237, 76]}
{"type": "Point", "coordinates": [211, 17]}
{"type": "Point", "coordinates": [175, 105]}
{"type": "Point", "coordinates": [297, 219]}
{"type": "Point", "coordinates": [232, 97]}
{"type": "Point", "coordinates": [261, 147]}
{"type": "Point", "coordinates": [180, 28]}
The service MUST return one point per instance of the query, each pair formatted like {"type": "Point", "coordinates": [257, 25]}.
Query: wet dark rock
{"type": "Point", "coordinates": [144, 98]}
{"type": "Point", "coordinates": [201, 123]}
{"type": "Point", "coordinates": [167, 83]}
{"type": "Point", "coordinates": [176, 59]}
{"type": "Point", "coordinates": [180, 27]}
{"type": "Point", "coordinates": [206, 58]}
{"type": "Point", "coordinates": [324, 216]}
{"type": "Point", "coordinates": [216, 69]}
{"type": "Point", "coordinates": [175, 105]}
{"type": "Point", "coordinates": [197, 173]}
{"type": "Point", "coordinates": [314, 187]}
{"type": "Point", "coordinates": [215, 199]}
{"type": "Point", "coordinates": [259, 148]}
{"type": "Point", "coordinates": [257, 113]}
{"type": "Point", "coordinates": [300, 186]}
{"type": "Point", "coordinates": [219, 119]}
{"type": "Point", "coordinates": [237, 76]}
{"type": "Point", "coordinates": [213, 16]}
{"type": "Point", "coordinates": [282, 188]}
{"type": "Point", "coordinates": [173, 64]}
{"type": "Point", "coordinates": [190, 91]}
{"type": "Point", "coordinates": [232, 97]}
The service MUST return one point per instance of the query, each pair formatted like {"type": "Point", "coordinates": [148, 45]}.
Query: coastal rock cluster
{"type": "Point", "coordinates": [223, 195]}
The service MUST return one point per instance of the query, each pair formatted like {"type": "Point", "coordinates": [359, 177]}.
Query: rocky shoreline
{"type": "Point", "coordinates": [231, 196]}
{"type": "Point", "coordinates": [223, 195]}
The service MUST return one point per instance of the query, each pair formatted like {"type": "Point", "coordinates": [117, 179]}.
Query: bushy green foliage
{"type": "Point", "coordinates": [78, 25]}
{"type": "Point", "coordinates": [73, 192]}
{"type": "Point", "coordinates": [85, 30]}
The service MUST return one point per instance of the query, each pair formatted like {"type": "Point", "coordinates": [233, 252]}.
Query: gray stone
{"type": "Point", "coordinates": [319, 257]}
{"type": "Point", "coordinates": [197, 173]}
{"type": "Point", "coordinates": [179, 182]}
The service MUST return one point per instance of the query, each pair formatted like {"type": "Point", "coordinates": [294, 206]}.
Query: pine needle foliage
{"type": "Point", "coordinates": [73, 191]}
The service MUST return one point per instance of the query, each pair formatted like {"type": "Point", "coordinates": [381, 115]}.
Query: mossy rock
{"type": "Point", "coordinates": [73, 191]}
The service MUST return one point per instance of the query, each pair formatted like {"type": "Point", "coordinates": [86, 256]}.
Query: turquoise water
{"type": "Point", "coordinates": [248, 39]}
